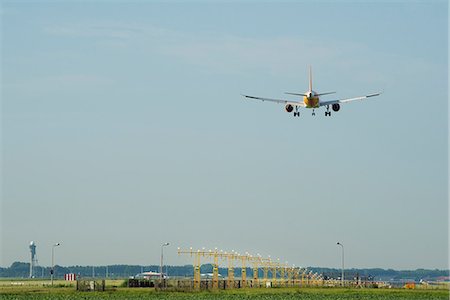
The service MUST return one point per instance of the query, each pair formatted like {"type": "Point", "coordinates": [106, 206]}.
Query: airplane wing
{"type": "Point", "coordinates": [295, 103]}
{"type": "Point", "coordinates": [324, 103]}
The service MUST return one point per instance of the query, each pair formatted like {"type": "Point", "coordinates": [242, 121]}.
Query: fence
{"type": "Point", "coordinates": [90, 285]}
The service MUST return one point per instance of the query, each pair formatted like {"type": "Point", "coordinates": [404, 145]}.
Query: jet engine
{"type": "Point", "coordinates": [289, 108]}
{"type": "Point", "coordinates": [336, 107]}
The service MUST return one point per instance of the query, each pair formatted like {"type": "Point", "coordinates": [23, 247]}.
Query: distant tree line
{"type": "Point", "coordinates": [22, 270]}
{"type": "Point", "coordinates": [383, 274]}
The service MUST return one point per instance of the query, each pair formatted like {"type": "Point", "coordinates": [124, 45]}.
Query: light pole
{"type": "Point", "coordinates": [342, 276]}
{"type": "Point", "coordinates": [161, 267]}
{"type": "Point", "coordinates": [53, 264]}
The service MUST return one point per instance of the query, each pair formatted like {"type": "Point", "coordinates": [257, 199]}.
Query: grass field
{"type": "Point", "coordinates": [36, 290]}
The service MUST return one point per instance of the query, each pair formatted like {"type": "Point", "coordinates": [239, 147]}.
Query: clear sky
{"type": "Point", "coordinates": [123, 128]}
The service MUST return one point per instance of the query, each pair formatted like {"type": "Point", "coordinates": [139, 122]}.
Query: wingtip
{"type": "Point", "coordinates": [247, 96]}
{"type": "Point", "coordinates": [375, 94]}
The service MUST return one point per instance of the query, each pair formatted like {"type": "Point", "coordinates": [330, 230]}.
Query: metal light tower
{"type": "Point", "coordinates": [197, 254]}
{"type": "Point", "coordinates": [53, 264]}
{"type": "Point", "coordinates": [33, 261]}
{"type": "Point", "coordinates": [161, 267]}
{"type": "Point", "coordinates": [342, 276]}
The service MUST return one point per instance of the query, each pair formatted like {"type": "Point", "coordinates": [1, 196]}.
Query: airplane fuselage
{"type": "Point", "coordinates": [311, 99]}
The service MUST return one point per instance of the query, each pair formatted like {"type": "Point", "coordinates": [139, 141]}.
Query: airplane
{"type": "Point", "coordinates": [311, 99]}
{"type": "Point", "coordinates": [150, 275]}
{"type": "Point", "coordinates": [210, 275]}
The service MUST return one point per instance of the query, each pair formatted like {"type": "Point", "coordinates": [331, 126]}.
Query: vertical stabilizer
{"type": "Point", "coordinates": [310, 79]}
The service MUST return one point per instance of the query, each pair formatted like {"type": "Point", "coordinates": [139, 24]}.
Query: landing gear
{"type": "Point", "coordinates": [313, 113]}
{"type": "Point", "coordinates": [296, 112]}
{"type": "Point", "coordinates": [328, 112]}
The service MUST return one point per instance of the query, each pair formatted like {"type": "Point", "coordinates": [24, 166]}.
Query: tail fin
{"type": "Point", "coordinates": [310, 79]}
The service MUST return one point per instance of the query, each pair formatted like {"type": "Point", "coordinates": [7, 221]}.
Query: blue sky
{"type": "Point", "coordinates": [123, 127]}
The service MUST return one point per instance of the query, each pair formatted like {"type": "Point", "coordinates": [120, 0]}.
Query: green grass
{"type": "Point", "coordinates": [64, 293]}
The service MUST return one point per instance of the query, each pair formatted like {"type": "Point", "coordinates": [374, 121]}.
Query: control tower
{"type": "Point", "coordinates": [33, 261]}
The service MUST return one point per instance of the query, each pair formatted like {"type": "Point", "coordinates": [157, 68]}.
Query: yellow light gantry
{"type": "Point", "coordinates": [287, 274]}
{"type": "Point", "coordinates": [197, 263]}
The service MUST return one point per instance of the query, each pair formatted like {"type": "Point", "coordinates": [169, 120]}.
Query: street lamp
{"type": "Point", "coordinates": [342, 276]}
{"type": "Point", "coordinates": [161, 267]}
{"type": "Point", "coordinates": [53, 264]}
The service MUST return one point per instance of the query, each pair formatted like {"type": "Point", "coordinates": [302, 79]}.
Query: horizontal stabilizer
{"type": "Point", "coordinates": [296, 94]}
{"type": "Point", "coordinates": [327, 93]}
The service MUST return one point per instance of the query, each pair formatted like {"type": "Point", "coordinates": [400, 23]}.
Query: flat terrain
{"type": "Point", "coordinates": [17, 291]}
